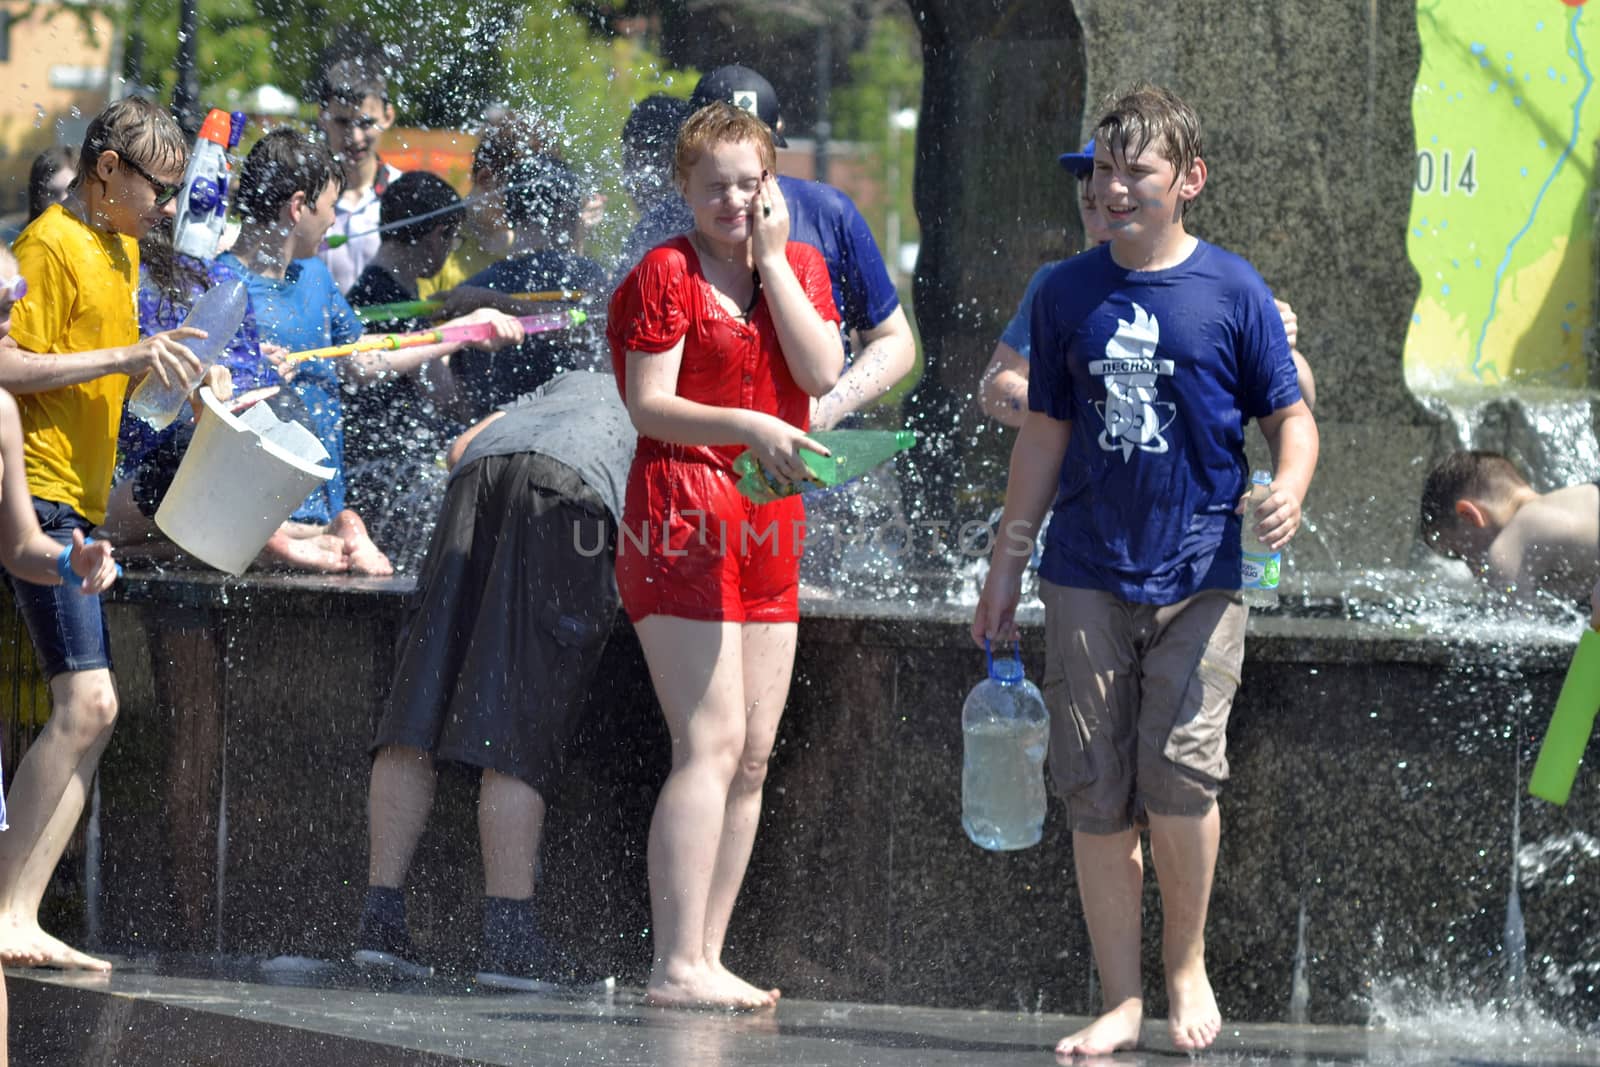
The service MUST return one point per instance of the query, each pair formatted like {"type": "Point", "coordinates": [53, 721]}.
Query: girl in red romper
{"type": "Point", "coordinates": [719, 339]}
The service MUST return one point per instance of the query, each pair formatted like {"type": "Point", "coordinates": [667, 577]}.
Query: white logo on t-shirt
{"type": "Point", "coordinates": [746, 98]}
{"type": "Point", "coordinates": [1134, 418]}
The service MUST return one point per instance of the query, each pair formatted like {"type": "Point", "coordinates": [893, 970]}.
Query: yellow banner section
{"type": "Point", "coordinates": [1501, 229]}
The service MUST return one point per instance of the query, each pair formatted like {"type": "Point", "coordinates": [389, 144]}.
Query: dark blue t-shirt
{"type": "Point", "coordinates": [1158, 372]}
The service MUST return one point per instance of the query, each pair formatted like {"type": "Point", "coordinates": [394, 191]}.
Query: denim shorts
{"type": "Point", "coordinates": [68, 628]}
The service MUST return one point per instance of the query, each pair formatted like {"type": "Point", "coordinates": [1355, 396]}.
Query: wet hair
{"type": "Point", "coordinates": [1474, 475]}
{"type": "Point", "coordinates": [173, 276]}
{"type": "Point", "coordinates": [716, 124]}
{"type": "Point", "coordinates": [137, 130]}
{"type": "Point", "coordinates": [512, 139]}
{"type": "Point", "coordinates": [544, 192]}
{"type": "Point", "coordinates": [1146, 115]}
{"type": "Point", "coordinates": [283, 163]}
{"type": "Point", "coordinates": [350, 70]}
{"type": "Point", "coordinates": [652, 127]}
{"type": "Point", "coordinates": [46, 165]}
{"type": "Point", "coordinates": [418, 193]}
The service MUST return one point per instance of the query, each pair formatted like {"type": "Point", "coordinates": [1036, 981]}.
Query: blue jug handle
{"type": "Point", "coordinates": [1016, 654]}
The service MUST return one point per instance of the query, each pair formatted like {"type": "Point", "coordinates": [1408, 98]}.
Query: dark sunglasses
{"type": "Point", "coordinates": [165, 193]}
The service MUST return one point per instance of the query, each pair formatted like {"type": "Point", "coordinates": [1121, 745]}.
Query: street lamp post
{"type": "Point", "coordinates": [186, 93]}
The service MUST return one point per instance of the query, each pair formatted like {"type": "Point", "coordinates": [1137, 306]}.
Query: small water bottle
{"type": "Point", "coordinates": [1259, 567]}
{"type": "Point", "coordinates": [219, 311]}
{"type": "Point", "coordinates": [1005, 730]}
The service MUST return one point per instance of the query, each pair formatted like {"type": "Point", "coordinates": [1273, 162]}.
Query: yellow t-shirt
{"type": "Point", "coordinates": [463, 263]}
{"type": "Point", "coordinates": [82, 295]}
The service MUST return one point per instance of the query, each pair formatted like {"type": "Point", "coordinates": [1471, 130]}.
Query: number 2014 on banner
{"type": "Point", "coordinates": [1446, 172]}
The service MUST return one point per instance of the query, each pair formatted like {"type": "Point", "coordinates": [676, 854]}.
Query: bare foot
{"type": "Point", "coordinates": [1193, 1019]}
{"type": "Point", "coordinates": [744, 989]}
{"type": "Point", "coordinates": [1117, 1029]}
{"type": "Point", "coordinates": [365, 557]}
{"type": "Point", "coordinates": [701, 988]}
{"type": "Point", "coordinates": [322, 554]}
{"type": "Point", "coordinates": [35, 948]}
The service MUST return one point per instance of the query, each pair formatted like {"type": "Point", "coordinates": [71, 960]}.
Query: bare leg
{"type": "Point", "coordinates": [1184, 850]}
{"type": "Point", "coordinates": [364, 556]}
{"type": "Point", "coordinates": [768, 650]}
{"type": "Point", "coordinates": [45, 802]}
{"type": "Point", "coordinates": [510, 822]}
{"type": "Point", "coordinates": [399, 798]}
{"type": "Point", "coordinates": [1111, 881]}
{"type": "Point", "coordinates": [5, 1023]}
{"type": "Point", "coordinates": [699, 681]}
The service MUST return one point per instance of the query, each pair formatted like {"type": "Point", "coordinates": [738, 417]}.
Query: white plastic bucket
{"type": "Point", "coordinates": [241, 477]}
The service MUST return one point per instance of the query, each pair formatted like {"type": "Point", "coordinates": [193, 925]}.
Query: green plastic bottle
{"type": "Point", "coordinates": [854, 453]}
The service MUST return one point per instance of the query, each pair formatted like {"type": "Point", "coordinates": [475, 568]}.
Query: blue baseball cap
{"type": "Point", "coordinates": [1079, 164]}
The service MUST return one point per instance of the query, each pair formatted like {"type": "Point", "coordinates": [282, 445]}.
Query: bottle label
{"type": "Point", "coordinates": [1260, 572]}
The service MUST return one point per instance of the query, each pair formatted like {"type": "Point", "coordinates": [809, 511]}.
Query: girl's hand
{"type": "Point", "coordinates": [93, 564]}
{"type": "Point", "coordinates": [777, 446]}
{"type": "Point", "coordinates": [507, 330]}
{"type": "Point", "coordinates": [769, 222]}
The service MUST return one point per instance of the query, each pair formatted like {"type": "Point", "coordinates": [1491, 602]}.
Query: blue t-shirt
{"type": "Point", "coordinates": [305, 310]}
{"type": "Point", "coordinates": [820, 216]}
{"type": "Point", "coordinates": [1019, 331]}
{"type": "Point", "coordinates": [1158, 372]}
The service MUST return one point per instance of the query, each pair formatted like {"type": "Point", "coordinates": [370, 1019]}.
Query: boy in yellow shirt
{"type": "Point", "coordinates": [73, 345]}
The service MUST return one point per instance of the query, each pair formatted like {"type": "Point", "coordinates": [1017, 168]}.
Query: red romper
{"type": "Point", "coordinates": [691, 545]}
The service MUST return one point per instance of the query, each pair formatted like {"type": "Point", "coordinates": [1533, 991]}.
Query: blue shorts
{"type": "Point", "coordinates": [68, 628]}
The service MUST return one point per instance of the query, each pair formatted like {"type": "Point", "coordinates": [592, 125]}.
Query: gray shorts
{"type": "Point", "coordinates": [1139, 699]}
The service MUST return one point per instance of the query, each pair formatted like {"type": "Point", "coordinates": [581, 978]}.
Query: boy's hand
{"type": "Point", "coordinates": [220, 381]}
{"type": "Point", "coordinates": [167, 357]}
{"type": "Point", "coordinates": [93, 564]}
{"type": "Point", "coordinates": [507, 330]}
{"type": "Point", "coordinates": [1291, 322]}
{"type": "Point", "coordinates": [274, 354]}
{"type": "Point", "coordinates": [996, 616]}
{"type": "Point", "coordinates": [1277, 519]}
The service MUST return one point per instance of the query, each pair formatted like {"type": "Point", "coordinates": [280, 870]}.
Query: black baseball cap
{"type": "Point", "coordinates": [743, 88]}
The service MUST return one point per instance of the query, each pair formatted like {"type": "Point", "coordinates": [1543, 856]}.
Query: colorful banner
{"type": "Point", "coordinates": [1502, 227]}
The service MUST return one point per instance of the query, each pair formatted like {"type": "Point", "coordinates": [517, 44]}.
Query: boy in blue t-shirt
{"type": "Point", "coordinates": [1149, 354]}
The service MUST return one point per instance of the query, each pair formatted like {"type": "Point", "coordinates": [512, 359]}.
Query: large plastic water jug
{"type": "Point", "coordinates": [1005, 730]}
{"type": "Point", "coordinates": [219, 311]}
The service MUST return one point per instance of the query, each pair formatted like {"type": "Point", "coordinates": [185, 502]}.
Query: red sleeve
{"type": "Point", "coordinates": [812, 272]}
{"type": "Point", "coordinates": [649, 310]}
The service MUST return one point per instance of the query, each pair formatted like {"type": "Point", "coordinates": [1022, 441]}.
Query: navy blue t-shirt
{"type": "Point", "coordinates": [1158, 372]}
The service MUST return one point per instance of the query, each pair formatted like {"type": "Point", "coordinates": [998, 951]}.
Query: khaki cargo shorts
{"type": "Point", "coordinates": [1139, 699]}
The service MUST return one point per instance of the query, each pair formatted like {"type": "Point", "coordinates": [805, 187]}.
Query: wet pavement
{"type": "Point", "coordinates": [290, 1013]}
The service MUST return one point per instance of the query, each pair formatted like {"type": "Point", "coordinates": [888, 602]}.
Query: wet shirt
{"type": "Point", "coordinates": [820, 216]}
{"type": "Point", "coordinates": [727, 362]}
{"type": "Point", "coordinates": [361, 219]}
{"type": "Point", "coordinates": [81, 285]}
{"type": "Point", "coordinates": [1157, 371]}
{"type": "Point", "coordinates": [489, 379]}
{"type": "Point", "coordinates": [577, 419]}
{"type": "Point", "coordinates": [1019, 331]}
{"type": "Point", "coordinates": [301, 310]}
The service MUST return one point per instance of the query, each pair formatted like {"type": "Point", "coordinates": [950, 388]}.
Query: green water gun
{"type": "Point", "coordinates": [852, 454]}
{"type": "Point", "coordinates": [1571, 725]}
{"type": "Point", "coordinates": [421, 309]}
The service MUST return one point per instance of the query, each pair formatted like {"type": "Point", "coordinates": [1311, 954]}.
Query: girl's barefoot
{"type": "Point", "coordinates": [1115, 1030]}
{"type": "Point", "coordinates": [742, 988]}
{"type": "Point", "coordinates": [701, 988]}
{"type": "Point", "coordinates": [364, 555]}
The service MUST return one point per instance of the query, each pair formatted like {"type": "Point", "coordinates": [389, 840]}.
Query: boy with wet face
{"type": "Point", "coordinates": [1146, 401]}
{"type": "Point", "coordinates": [352, 90]}
{"type": "Point", "coordinates": [72, 353]}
